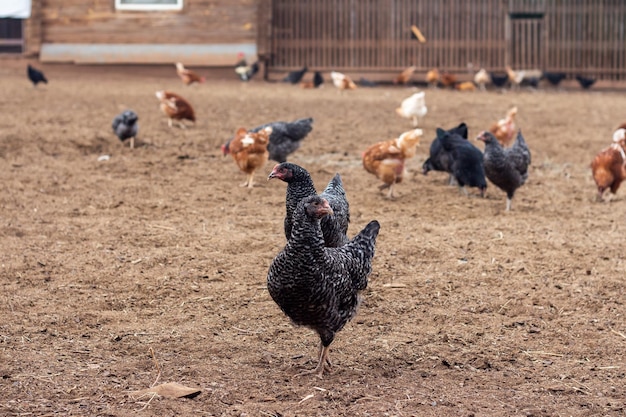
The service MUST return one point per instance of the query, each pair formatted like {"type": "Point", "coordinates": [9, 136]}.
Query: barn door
{"type": "Point", "coordinates": [525, 40]}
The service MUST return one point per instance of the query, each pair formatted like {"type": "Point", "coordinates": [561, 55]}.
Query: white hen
{"type": "Point", "coordinates": [342, 81]}
{"type": "Point", "coordinates": [413, 107]}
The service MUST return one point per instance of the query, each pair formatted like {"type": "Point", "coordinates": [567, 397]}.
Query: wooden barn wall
{"type": "Point", "coordinates": [573, 36]}
{"type": "Point", "coordinates": [97, 21]}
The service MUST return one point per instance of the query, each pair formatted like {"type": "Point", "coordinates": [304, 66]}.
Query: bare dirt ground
{"type": "Point", "coordinates": [152, 265]}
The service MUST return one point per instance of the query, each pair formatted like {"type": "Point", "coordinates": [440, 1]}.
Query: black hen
{"type": "Point", "coordinates": [36, 76]}
{"type": "Point", "coordinates": [440, 159]}
{"type": "Point", "coordinates": [316, 286]}
{"type": "Point", "coordinates": [507, 168]}
{"type": "Point", "coordinates": [499, 79]}
{"type": "Point", "coordinates": [554, 78]}
{"type": "Point", "coordinates": [585, 82]}
{"type": "Point", "coordinates": [125, 126]}
{"type": "Point", "coordinates": [285, 138]}
{"type": "Point", "coordinates": [466, 162]}
{"type": "Point", "coordinates": [299, 186]}
{"type": "Point", "coordinates": [318, 79]}
{"type": "Point", "coordinates": [294, 77]}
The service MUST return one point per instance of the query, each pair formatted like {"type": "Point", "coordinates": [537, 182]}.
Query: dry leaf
{"type": "Point", "coordinates": [169, 390]}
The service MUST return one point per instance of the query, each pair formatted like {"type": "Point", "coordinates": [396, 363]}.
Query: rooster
{"type": "Point", "coordinates": [481, 78]}
{"type": "Point", "coordinates": [249, 150]}
{"type": "Point", "coordinates": [244, 71]}
{"type": "Point", "coordinates": [188, 76]}
{"type": "Point", "coordinates": [504, 129]}
{"type": "Point", "coordinates": [405, 76]}
{"type": "Point", "coordinates": [386, 159]}
{"type": "Point", "coordinates": [432, 77]}
{"type": "Point", "coordinates": [342, 81]}
{"type": "Point", "coordinates": [175, 108]}
{"type": "Point", "coordinates": [413, 107]}
{"type": "Point", "coordinates": [585, 82]}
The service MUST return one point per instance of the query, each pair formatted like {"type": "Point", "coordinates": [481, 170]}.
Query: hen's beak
{"type": "Point", "coordinates": [325, 208]}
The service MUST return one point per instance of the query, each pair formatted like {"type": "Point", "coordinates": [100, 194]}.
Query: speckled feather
{"type": "Point", "coordinates": [300, 185]}
{"type": "Point", "coordinates": [507, 168]}
{"type": "Point", "coordinates": [317, 286]}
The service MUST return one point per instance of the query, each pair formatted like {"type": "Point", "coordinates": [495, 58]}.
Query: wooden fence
{"type": "Point", "coordinates": [572, 36]}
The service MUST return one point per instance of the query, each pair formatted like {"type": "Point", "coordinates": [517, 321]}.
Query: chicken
{"type": "Point", "coordinates": [386, 159]}
{"type": "Point", "coordinates": [448, 80]}
{"type": "Point", "coordinates": [499, 79]}
{"type": "Point", "coordinates": [554, 78]}
{"type": "Point", "coordinates": [125, 126]}
{"type": "Point", "coordinates": [317, 80]}
{"type": "Point", "coordinates": [440, 159]}
{"type": "Point", "coordinates": [481, 78]}
{"type": "Point", "coordinates": [244, 71]}
{"type": "Point", "coordinates": [504, 129]}
{"type": "Point", "coordinates": [405, 76]}
{"type": "Point", "coordinates": [294, 77]}
{"type": "Point", "coordinates": [515, 77]}
{"type": "Point", "coordinates": [620, 133]}
{"type": "Point", "coordinates": [249, 150]}
{"type": "Point", "coordinates": [465, 160]}
{"type": "Point", "coordinates": [432, 77]}
{"type": "Point", "coordinates": [466, 86]}
{"type": "Point", "coordinates": [342, 81]}
{"type": "Point", "coordinates": [35, 76]}
{"type": "Point", "coordinates": [316, 286]}
{"type": "Point", "coordinates": [364, 82]}
{"type": "Point", "coordinates": [413, 107]}
{"type": "Point", "coordinates": [585, 82]}
{"type": "Point", "coordinates": [285, 139]}
{"type": "Point", "coordinates": [175, 107]}
{"type": "Point", "coordinates": [609, 165]}
{"type": "Point", "coordinates": [506, 168]}
{"type": "Point", "coordinates": [188, 76]}
{"type": "Point", "coordinates": [299, 186]}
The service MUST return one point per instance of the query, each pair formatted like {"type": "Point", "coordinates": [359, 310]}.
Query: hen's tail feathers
{"type": "Point", "coordinates": [365, 245]}
{"type": "Point", "coordinates": [300, 128]}
{"type": "Point", "coordinates": [335, 187]}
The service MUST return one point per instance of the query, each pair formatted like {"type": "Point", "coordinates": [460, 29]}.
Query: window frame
{"type": "Point", "coordinates": [149, 7]}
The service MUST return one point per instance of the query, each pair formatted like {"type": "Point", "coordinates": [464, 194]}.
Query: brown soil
{"type": "Point", "coordinates": [157, 256]}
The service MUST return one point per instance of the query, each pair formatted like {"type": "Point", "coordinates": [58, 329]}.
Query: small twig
{"type": "Point", "coordinates": [539, 352]}
{"type": "Point", "coordinates": [158, 369]}
{"type": "Point", "coordinates": [619, 333]}
{"type": "Point", "coordinates": [246, 331]}
{"type": "Point", "coordinates": [145, 405]}
{"type": "Point", "coordinates": [308, 397]}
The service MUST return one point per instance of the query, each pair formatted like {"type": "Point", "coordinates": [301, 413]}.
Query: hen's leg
{"type": "Point", "coordinates": [132, 142]}
{"type": "Point", "coordinates": [508, 204]}
{"type": "Point", "coordinates": [321, 364]}
{"type": "Point", "coordinates": [169, 122]}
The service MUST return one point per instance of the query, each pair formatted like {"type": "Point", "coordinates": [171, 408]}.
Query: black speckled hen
{"type": "Point", "coordinates": [507, 168]}
{"type": "Point", "coordinates": [316, 286]}
{"type": "Point", "coordinates": [299, 186]}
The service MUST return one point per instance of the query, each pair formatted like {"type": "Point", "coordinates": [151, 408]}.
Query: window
{"type": "Point", "coordinates": [11, 37]}
{"type": "Point", "coordinates": [149, 4]}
